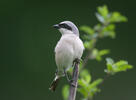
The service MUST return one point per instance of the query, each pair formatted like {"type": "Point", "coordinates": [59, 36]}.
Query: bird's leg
{"type": "Point", "coordinates": [69, 81]}
{"type": "Point", "coordinates": [56, 72]}
{"type": "Point", "coordinates": [66, 75]}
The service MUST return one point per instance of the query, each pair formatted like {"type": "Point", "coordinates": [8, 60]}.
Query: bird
{"type": "Point", "coordinates": [69, 48]}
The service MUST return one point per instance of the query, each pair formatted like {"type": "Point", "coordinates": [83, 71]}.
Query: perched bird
{"type": "Point", "coordinates": [68, 48]}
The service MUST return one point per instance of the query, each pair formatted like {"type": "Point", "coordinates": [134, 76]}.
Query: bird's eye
{"type": "Point", "coordinates": [65, 26]}
{"type": "Point", "coordinates": [62, 25]}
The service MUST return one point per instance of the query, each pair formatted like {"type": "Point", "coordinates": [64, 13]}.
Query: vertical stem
{"type": "Point", "coordinates": [73, 86]}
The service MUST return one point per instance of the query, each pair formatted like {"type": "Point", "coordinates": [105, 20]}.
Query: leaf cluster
{"type": "Point", "coordinates": [87, 87]}
{"type": "Point", "coordinates": [115, 67]}
{"type": "Point", "coordinates": [105, 28]}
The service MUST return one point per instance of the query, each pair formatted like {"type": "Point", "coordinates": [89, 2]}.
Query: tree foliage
{"type": "Point", "coordinates": [105, 28]}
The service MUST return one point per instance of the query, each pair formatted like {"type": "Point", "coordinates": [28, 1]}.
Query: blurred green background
{"type": "Point", "coordinates": [27, 47]}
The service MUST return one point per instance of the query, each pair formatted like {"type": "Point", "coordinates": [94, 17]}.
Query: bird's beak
{"type": "Point", "coordinates": [56, 26]}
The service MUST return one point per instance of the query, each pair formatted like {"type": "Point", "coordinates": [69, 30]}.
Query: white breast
{"type": "Point", "coordinates": [67, 49]}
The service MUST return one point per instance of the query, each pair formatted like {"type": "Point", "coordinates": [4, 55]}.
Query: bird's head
{"type": "Point", "coordinates": [67, 27]}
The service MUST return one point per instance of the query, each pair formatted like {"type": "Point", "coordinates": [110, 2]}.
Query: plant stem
{"type": "Point", "coordinates": [73, 85]}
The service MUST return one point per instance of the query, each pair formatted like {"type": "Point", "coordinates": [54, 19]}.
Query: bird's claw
{"type": "Point", "coordinates": [76, 61]}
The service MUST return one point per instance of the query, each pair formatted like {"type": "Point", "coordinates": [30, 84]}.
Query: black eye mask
{"type": "Point", "coordinates": [65, 26]}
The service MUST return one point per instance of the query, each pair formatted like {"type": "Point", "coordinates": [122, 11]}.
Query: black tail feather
{"type": "Point", "coordinates": [54, 83]}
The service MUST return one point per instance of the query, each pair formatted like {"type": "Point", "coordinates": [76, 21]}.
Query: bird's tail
{"type": "Point", "coordinates": [54, 83]}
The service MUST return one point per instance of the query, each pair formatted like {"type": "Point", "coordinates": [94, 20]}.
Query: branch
{"type": "Point", "coordinates": [73, 85]}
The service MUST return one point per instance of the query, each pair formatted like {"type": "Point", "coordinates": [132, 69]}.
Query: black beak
{"type": "Point", "coordinates": [56, 26]}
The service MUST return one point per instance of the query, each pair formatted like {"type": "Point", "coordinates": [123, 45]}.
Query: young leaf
{"type": "Point", "coordinates": [109, 31]}
{"type": "Point", "coordinates": [103, 11]}
{"type": "Point", "coordinates": [88, 44]}
{"type": "Point", "coordinates": [93, 87]}
{"type": "Point", "coordinates": [98, 54]}
{"type": "Point", "coordinates": [104, 52]}
{"type": "Point", "coordinates": [88, 89]}
{"type": "Point", "coordinates": [101, 53]}
{"type": "Point", "coordinates": [117, 17]}
{"type": "Point", "coordinates": [97, 27]}
{"type": "Point", "coordinates": [85, 76]}
{"type": "Point", "coordinates": [95, 83]}
{"type": "Point", "coordinates": [110, 61]}
{"type": "Point", "coordinates": [83, 92]}
{"type": "Point", "coordinates": [100, 18]}
{"type": "Point", "coordinates": [87, 30]}
{"type": "Point", "coordinates": [122, 66]}
{"type": "Point", "coordinates": [113, 68]}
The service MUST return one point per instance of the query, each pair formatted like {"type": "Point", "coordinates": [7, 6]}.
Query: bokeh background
{"type": "Point", "coordinates": [27, 47]}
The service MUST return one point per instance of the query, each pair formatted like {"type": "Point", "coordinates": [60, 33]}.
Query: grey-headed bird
{"type": "Point", "coordinates": [68, 48]}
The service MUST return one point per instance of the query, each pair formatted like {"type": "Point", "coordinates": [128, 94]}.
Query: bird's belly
{"type": "Point", "coordinates": [64, 56]}
{"type": "Point", "coordinates": [68, 48]}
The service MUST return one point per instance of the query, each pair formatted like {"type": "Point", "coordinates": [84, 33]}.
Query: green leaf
{"type": "Point", "coordinates": [98, 54]}
{"type": "Point", "coordinates": [110, 61]}
{"type": "Point", "coordinates": [101, 53]}
{"type": "Point", "coordinates": [65, 92]}
{"type": "Point", "coordinates": [81, 82]}
{"type": "Point", "coordinates": [93, 87]}
{"type": "Point", "coordinates": [103, 11]}
{"type": "Point", "coordinates": [97, 27]}
{"type": "Point", "coordinates": [88, 44]}
{"type": "Point", "coordinates": [103, 14]}
{"type": "Point", "coordinates": [85, 76]}
{"type": "Point", "coordinates": [83, 92]}
{"type": "Point", "coordinates": [94, 53]}
{"type": "Point", "coordinates": [100, 18]}
{"type": "Point", "coordinates": [114, 67]}
{"type": "Point", "coordinates": [96, 83]}
{"type": "Point", "coordinates": [86, 37]}
{"type": "Point", "coordinates": [89, 89]}
{"type": "Point", "coordinates": [110, 27]}
{"type": "Point", "coordinates": [109, 64]}
{"type": "Point", "coordinates": [104, 52]}
{"type": "Point", "coordinates": [117, 17]}
{"type": "Point", "coordinates": [122, 66]}
{"type": "Point", "coordinates": [109, 31]}
{"type": "Point", "coordinates": [87, 30]}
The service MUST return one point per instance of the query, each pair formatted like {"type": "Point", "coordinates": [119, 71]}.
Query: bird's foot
{"type": "Point", "coordinates": [77, 60]}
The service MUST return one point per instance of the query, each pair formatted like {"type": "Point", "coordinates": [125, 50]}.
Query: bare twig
{"type": "Point", "coordinates": [73, 85]}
